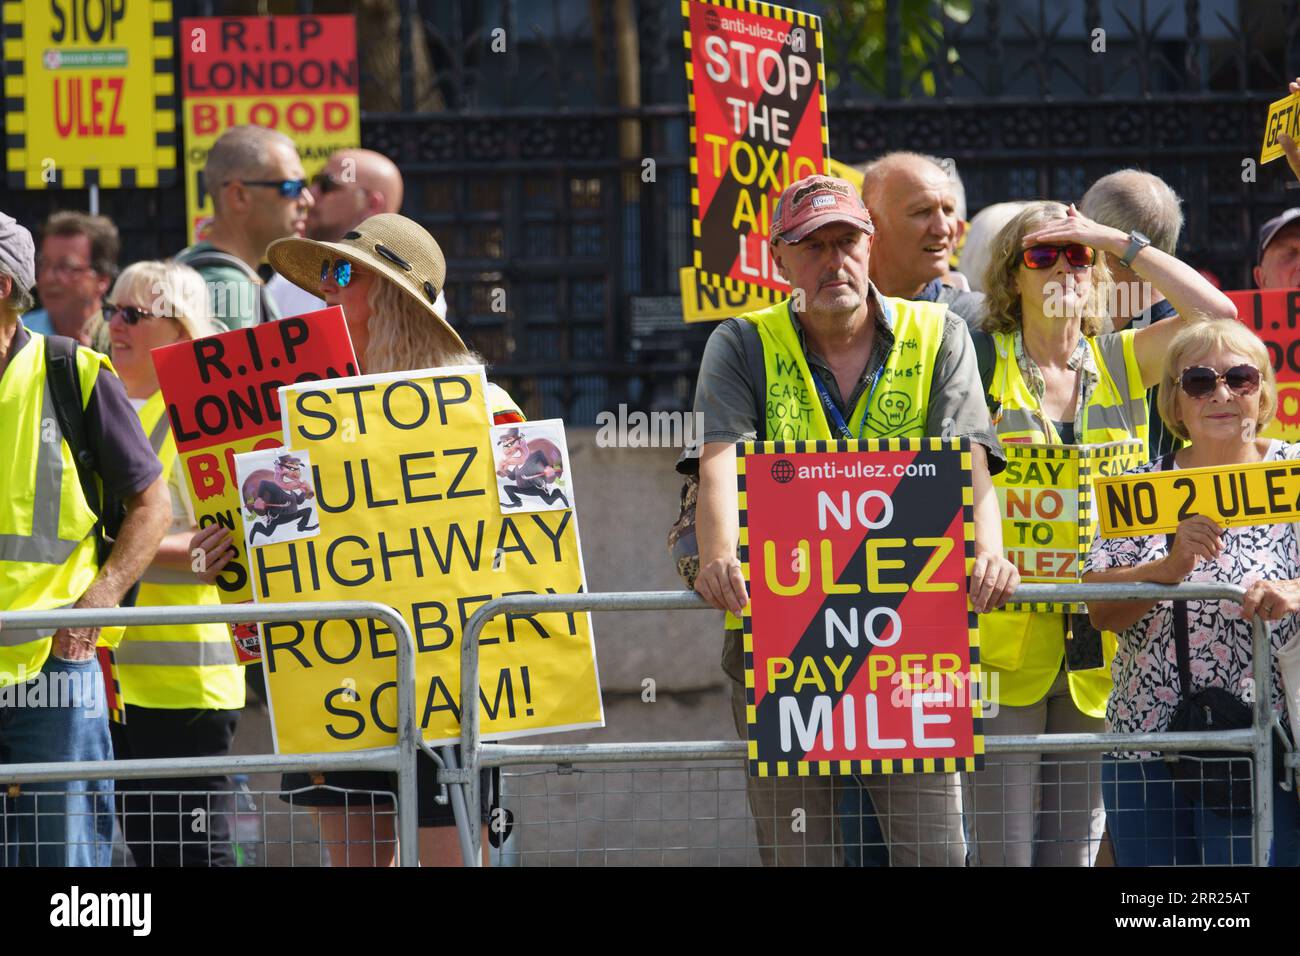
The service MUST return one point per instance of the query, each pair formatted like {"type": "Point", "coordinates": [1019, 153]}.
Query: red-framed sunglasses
{"type": "Point", "coordinates": [1044, 256]}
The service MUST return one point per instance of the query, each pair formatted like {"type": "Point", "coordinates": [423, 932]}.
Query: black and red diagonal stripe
{"type": "Point", "coordinates": [794, 626]}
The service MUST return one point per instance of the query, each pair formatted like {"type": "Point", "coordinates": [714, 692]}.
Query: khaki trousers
{"type": "Point", "coordinates": [920, 814]}
{"type": "Point", "coordinates": [1037, 809]}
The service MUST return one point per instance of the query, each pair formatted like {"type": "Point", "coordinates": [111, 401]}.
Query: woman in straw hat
{"type": "Point", "coordinates": [386, 274]}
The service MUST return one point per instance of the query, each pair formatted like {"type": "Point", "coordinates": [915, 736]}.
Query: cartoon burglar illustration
{"type": "Point", "coordinates": [532, 464]}
{"type": "Point", "coordinates": [279, 498]}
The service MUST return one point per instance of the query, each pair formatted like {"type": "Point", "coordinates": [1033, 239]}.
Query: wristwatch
{"type": "Point", "coordinates": [1136, 243]}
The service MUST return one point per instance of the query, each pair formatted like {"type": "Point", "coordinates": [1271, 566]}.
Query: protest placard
{"type": "Point", "coordinates": [1283, 117]}
{"type": "Point", "coordinates": [295, 74]}
{"type": "Point", "coordinates": [756, 93]}
{"type": "Point", "coordinates": [1267, 492]}
{"type": "Point", "coordinates": [704, 301]}
{"type": "Point", "coordinates": [1045, 497]}
{"type": "Point", "coordinates": [1271, 314]}
{"type": "Point", "coordinates": [89, 94]}
{"type": "Point", "coordinates": [222, 399]}
{"type": "Point", "coordinates": [860, 647]}
{"type": "Point", "coordinates": [407, 495]}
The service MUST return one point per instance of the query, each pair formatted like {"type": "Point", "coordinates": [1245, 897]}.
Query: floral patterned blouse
{"type": "Point", "coordinates": [1145, 669]}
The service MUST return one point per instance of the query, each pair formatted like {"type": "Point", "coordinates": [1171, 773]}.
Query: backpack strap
{"type": "Point", "coordinates": [65, 389]}
{"type": "Point", "coordinates": [985, 356]}
{"type": "Point", "coordinates": [215, 257]}
{"type": "Point", "coordinates": [987, 360]}
{"type": "Point", "coordinates": [753, 346]}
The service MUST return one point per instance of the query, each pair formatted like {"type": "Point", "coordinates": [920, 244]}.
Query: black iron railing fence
{"type": "Point", "coordinates": [563, 261]}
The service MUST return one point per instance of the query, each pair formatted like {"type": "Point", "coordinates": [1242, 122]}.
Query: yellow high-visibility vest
{"type": "Point", "coordinates": [1026, 648]}
{"type": "Point", "coordinates": [47, 548]}
{"type": "Point", "coordinates": [896, 407]}
{"type": "Point", "coordinates": [177, 666]}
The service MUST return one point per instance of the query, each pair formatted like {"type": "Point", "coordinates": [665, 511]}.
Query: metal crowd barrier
{"type": "Point", "coordinates": [463, 780]}
{"type": "Point", "coordinates": [1255, 741]}
{"type": "Point", "coordinates": [399, 759]}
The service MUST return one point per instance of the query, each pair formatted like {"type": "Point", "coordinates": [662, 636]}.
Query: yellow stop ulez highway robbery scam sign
{"type": "Point", "coordinates": [90, 94]}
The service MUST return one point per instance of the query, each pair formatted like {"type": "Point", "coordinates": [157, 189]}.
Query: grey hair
{"type": "Point", "coordinates": [241, 151]}
{"type": "Point", "coordinates": [872, 170]}
{"type": "Point", "coordinates": [1131, 199]}
{"type": "Point", "coordinates": [20, 299]}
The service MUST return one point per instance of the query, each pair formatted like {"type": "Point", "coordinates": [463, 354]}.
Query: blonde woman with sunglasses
{"type": "Point", "coordinates": [387, 275]}
{"type": "Point", "coordinates": [1218, 392]}
{"type": "Point", "coordinates": [1055, 379]}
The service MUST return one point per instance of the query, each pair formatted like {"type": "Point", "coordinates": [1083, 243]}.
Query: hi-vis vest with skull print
{"type": "Point", "coordinates": [1026, 648]}
{"type": "Point", "coordinates": [895, 408]}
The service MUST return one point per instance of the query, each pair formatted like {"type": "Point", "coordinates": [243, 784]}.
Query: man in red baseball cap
{"type": "Point", "coordinates": [848, 363]}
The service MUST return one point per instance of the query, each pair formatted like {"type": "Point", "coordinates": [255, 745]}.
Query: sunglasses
{"type": "Point", "coordinates": [289, 188]}
{"type": "Point", "coordinates": [130, 314]}
{"type": "Point", "coordinates": [323, 184]}
{"type": "Point", "coordinates": [1044, 257]}
{"type": "Point", "coordinates": [342, 272]}
{"type": "Point", "coordinates": [1200, 381]}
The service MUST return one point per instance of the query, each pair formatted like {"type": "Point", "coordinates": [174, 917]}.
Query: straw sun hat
{"type": "Point", "coordinates": [391, 246]}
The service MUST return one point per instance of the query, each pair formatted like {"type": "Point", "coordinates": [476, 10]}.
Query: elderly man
{"type": "Point", "coordinates": [914, 202]}
{"type": "Point", "coordinates": [51, 558]}
{"type": "Point", "coordinates": [259, 194]}
{"type": "Point", "coordinates": [1147, 208]}
{"type": "Point", "coordinates": [847, 333]}
{"type": "Point", "coordinates": [76, 263]}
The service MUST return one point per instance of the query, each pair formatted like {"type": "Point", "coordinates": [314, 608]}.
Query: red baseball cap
{"type": "Point", "coordinates": [815, 201]}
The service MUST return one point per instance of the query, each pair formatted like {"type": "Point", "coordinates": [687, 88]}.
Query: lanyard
{"type": "Point", "coordinates": [833, 413]}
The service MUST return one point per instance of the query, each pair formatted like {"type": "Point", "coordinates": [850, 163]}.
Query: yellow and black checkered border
{"type": "Point", "coordinates": [798, 18]}
{"type": "Point", "coordinates": [844, 768]}
{"type": "Point", "coordinates": [822, 768]}
{"type": "Point", "coordinates": [1085, 454]}
{"type": "Point", "coordinates": [21, 173]}
{"type": "Point", "coordinates": [116, 714]}
{"type": "Point", "coordinates": [1048, 607]}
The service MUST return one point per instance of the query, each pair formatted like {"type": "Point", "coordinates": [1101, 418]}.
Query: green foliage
{"type": "Point", "coordinates": [855, 41]}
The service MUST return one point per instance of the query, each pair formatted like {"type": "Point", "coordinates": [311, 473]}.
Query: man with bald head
{"type": "Point", "coordinates": [914, 204]}
{"type": "Point", "coordinates": [353, 186]}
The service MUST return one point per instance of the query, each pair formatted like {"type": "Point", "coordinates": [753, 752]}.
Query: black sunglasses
{"type": "Point", "coordinates": [130, 314]}
{"type": "Point", "coordinates": [342, 272]}
{"type": "Point", "coordinates": [324, 184]}
{"type": "Point", "coordinates": [1200, 381]}
{"type": "Point", "coordinates": [1044, 256]}
{"type": "Point", "coordinates": [289, 188]}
